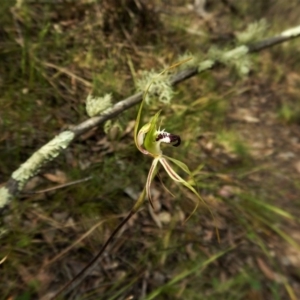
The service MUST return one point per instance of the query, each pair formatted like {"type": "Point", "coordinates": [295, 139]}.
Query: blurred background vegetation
{"type": "Point", "coordinates": [240, 138]}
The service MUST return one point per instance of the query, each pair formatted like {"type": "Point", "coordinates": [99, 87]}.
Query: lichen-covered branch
{"type": "Point", "coordinates": [52, 149]}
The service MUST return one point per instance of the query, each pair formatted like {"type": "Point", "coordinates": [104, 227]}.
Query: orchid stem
{"type": "Point", "coordinates": [74, 282]}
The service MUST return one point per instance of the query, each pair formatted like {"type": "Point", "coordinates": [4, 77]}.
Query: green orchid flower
{"type": "Point", "coordinates": [148, 140]}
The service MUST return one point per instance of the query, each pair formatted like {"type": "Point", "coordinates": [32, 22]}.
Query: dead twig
{"type": "Point", "coordinates": [60, 186]}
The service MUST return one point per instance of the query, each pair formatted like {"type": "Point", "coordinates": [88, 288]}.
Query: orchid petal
{"type": "Point", "coordinates": [177, 178]}
{"type": "Point", "coordinates": [180, 164]}
{"type": "Point", "coordinates": [137, 124]}
{"type": "Point", "coordinates": [140, 138]}
{"type": "Point", "coordinates": [150, 177]}
{"type": "Point", "coordinates": [172, 173]}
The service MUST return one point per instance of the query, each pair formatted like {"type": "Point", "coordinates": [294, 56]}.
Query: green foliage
{"type": "Point", "coordinates": [66, 55]}
{"type": "Point", "coordinates": [289, 113]}
{"type": "Point", "coordinates": [233, 143]}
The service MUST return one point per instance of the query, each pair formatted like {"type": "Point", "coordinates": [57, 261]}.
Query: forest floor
{"type": "Point", "coordinates": [240, 137]}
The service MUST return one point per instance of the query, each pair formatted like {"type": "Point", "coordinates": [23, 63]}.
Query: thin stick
{"type": "Point", "coordinates": [73, 283]}
{"type": "Point", "coordinates": [60, 186]}
{"type": "Point", "coordinates": [69, 286]}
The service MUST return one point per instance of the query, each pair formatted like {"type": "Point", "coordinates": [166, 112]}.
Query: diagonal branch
{"type": "Point", "coordinates": [52, 149]}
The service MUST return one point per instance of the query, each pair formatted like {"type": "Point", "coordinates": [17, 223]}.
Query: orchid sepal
{"type": "Point", "coordinates": [141, 137]}
{"type": "Point", "coordinates": [152, 172]}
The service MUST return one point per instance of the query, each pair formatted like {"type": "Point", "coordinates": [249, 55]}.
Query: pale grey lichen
{"type": "Point", "coordinates": [243, 65]}
{"type": "Point", "coordinates": [254, 32]}
{"type": "Point", "coordinates": [39, 158]}
{"type": "Point", "coordinates": [236, 58]}
{"type": "Point", "coordinates": [235, 53]}
{"type": "Point", "coordinates": [97, 105]}
{"type": "Point", "coordinates": [5, 196]}
{"type": "Point", "coordinates": [205, 65]}
{"type": "Point", "coordinates": [156, 86]}
{"type": "Point", "coordinates": [239, 60]}
{"type": "Point", "coordinates": [291, 32]}
{"type": "Point", "coordinates": [191, 60]}
{"type": "Point", "coordinates": [227, 56]}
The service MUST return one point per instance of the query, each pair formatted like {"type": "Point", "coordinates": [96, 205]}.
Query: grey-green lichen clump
{"type": "Point", "coordinates": [97, 105]}
{"type": "Point", "coordinates": [205, 65]}
{"type": "Point", "coordinates": [236, 58]}
{"type": "Point", "coordinates": [254, 32]}
{"type": "Point", "coordinates": [5, 196]}
{"type": "Point", "coordinates": [192, 60]}
{"type": "Point", "coordinates": [156, 86]}
{"type": "Point", "coordinates": [39, 158]}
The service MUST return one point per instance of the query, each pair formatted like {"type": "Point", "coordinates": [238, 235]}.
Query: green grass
{"type": "Point", "coordinates": [66, 55]}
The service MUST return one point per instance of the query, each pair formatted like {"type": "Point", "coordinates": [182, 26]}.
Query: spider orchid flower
{"type": "Point", "coordinates": [148, 141]}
